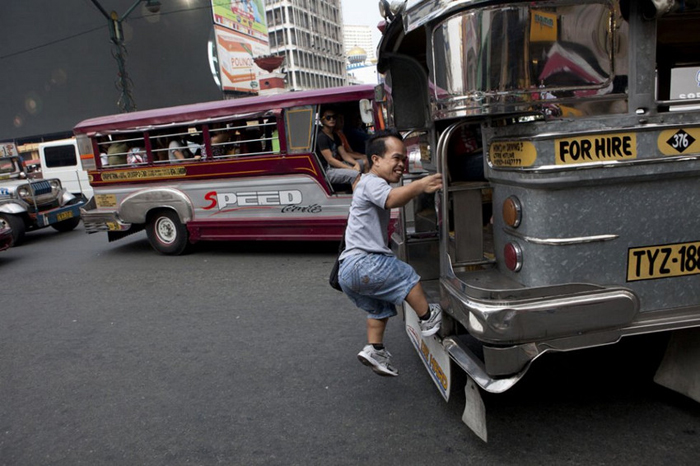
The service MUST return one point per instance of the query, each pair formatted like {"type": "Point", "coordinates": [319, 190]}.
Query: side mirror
{"type": "Point", "coordinates": [366, 111]}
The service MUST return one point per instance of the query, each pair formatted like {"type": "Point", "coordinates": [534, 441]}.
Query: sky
{"type": "Point", "coordinates": [362, 12]}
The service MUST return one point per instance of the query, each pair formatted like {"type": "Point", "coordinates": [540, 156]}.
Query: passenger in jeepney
{"type": "Point", "coordinates": [328, 145]}
{"type": "Point", "coordinates": [374, 279]}
{"type": "Point", "coordinates": [116, 152]}
{"type": "Point", "coordinates": [160, 151]}
{"type": "Point", "coordinates": [220, 136]}
{"type": "Point", "coordinates": [181, 148]}
{"type": "Point", "coordinates": [356, 133]}
{"type": "Point", "coordinates": [253, 143]}
{"type": "Point", "coordinates": [348, 155]}
{"type": "Point", "coordinates": [135, 155]}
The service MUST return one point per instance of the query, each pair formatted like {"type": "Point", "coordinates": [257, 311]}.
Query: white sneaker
{"type": "Point", "coordinates": [431, 325]}
{"type": "Point", "coordinates": [378, 360]}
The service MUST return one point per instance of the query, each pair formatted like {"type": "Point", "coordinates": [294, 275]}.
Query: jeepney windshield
{"type": "Point", "coordinates": [9, 166]}
{"type": "Point", "coordinates": [532, 51]}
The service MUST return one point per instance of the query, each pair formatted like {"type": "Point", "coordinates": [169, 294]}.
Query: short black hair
{"type": "Point", "coordinates": [376, 144]}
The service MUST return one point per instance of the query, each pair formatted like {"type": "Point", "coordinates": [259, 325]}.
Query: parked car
{"type": "Point", "coordinates": [27, 204]}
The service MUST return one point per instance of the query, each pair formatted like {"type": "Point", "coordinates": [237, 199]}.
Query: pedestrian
{"type": "Point", "coordinates": [370, 274]}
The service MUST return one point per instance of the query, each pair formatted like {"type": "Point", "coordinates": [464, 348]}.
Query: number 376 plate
{"type": "Point", "coordinates": [663, 261]}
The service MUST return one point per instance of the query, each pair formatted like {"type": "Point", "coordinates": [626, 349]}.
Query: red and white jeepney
{"type": "Point", "coordinates": [245, 169]}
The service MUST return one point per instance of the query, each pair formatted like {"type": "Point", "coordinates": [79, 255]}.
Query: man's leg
{"type": "Point", "coordinates": [375, 330]}
{"type": "Point", "coordinates": [429, 315]}
{"type": "Point", "coordinates": [374, 354]}
{"type": "Point", "coordinates": [417, 300]}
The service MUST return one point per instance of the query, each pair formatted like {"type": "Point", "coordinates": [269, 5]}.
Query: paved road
{"type": "Point", "coordinates": [240, 354]}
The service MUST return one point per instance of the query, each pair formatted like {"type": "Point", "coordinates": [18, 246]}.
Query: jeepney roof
{"type": "Point", "coordinates": [221, 108]}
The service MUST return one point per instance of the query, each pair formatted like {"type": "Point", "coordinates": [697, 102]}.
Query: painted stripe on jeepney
{"type": "Point", "coordinates": [189, 169]}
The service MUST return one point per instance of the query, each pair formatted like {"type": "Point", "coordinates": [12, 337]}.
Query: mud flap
{"type": "Point", "coordinates": [474, 415]}
{"type": "Point", "coordinates": [431, 352]}
{"type": "Point", "coordinates": [680, 368]}
{"type": "Point", "coordinates": [437, 361]}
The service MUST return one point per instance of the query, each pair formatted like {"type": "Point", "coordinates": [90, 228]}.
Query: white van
{"type": "Point", "coordinates": [61, 159]}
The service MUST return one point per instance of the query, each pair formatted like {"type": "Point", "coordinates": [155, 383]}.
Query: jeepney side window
{"type": "Point", "coordinates": [271, 138]}
{"type": "Point", "coordinates": [122, 150]}
{"type": "Point", "coordinates": [244, 137]}
{"type": "Point", "coordinates": [253, 137]}
{"type": "Point", "coordinates": [178, 144]}
{"type": "Point", "coordinates": [299, 124]}
{"type": "Point", "coordinates": [678, 61]}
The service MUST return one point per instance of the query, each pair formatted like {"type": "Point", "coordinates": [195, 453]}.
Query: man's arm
{"type": "Point", "coordinates": [399, 197]}
{"type": "Point", "coordinates": [332, 161]}
{"type": "Point", "coordinates": [349, 158]}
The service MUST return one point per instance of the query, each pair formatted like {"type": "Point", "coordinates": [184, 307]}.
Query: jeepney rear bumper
{"type": "Point", "coordinates": [515, 327]}
{"type": "Point", "coordinates": [96, 221]}
{"type": "Point", "coordinates": [525, 316]}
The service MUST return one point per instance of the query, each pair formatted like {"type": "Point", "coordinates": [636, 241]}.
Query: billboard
{"type": "Point", "coordinates": [240, 27]}
{"type": "Point", "coordinates": [237, 70]}
{"type": "Point", "coordinates": [244, 16]}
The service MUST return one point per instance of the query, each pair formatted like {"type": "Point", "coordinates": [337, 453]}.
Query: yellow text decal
{"type": "Point", "coordinates": [106, 200]}
{"type": "Point", "coordinates": [512, 154]}
{"type": "Point", "coordinates": [601, 148]}
{"type": "Point", "coordinates": [144, 173]}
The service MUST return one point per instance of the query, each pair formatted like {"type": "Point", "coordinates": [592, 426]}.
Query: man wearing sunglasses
{"type": "Point", "coordinates": [330, 150]}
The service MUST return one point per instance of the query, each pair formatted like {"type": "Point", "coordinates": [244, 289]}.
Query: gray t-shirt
{"type": "Point", "coordinates": [367, 230]}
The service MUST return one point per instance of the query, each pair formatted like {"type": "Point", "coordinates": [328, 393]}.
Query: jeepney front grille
{"type": "Point", "coordinates": [41, 187]}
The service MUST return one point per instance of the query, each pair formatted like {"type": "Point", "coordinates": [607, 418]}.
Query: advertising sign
{"type": "Point", "coordinates": [7, 149]}
{"type": "Point", "coordinates": [236, 51]}
{"type": "Point", "coordinates": [244, 16]}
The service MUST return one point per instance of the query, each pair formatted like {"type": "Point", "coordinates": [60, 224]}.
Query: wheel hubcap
{"type": "Point", "coordinates": [165, 229]}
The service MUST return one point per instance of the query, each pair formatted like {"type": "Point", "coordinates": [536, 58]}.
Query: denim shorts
{"type": "Point", "coordinates": [376, 283]}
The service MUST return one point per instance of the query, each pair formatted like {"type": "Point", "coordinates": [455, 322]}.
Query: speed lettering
{"type": "Point", "coordinates": [252, 199]}
{"type": "Point", "coordinates": [596, 149]}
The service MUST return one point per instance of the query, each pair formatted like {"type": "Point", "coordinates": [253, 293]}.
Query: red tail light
{"type": "Point", "coordinates": [513, 255]}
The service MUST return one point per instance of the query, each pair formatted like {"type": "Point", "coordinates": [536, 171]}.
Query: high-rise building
{"type": "Point", "coordinates": [310, 35]}
{"type": "Point", "coordinates": [359, 36]}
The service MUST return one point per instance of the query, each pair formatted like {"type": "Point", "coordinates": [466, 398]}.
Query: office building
{"type": "Point", "coordinates": [359, 36]}
{"type": "Point", "coordinates": [310, 34]}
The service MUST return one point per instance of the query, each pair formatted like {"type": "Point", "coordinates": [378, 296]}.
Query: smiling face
{"type": "Point", "coordinates": [390, 164]}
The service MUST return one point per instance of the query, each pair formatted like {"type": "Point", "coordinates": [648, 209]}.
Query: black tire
{"type": "Point", "coordinates": [66, 225]}
{"type": "Point", "coordinates": [166, 233]}
{"type": "Point", "coordinates": [16, 224]}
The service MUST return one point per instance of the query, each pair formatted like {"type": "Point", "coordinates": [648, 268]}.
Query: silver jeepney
{"type": "Point", "coordinates": [591, 166]}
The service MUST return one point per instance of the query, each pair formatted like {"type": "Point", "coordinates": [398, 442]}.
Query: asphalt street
{"type": "Point", "coordinates": [241, 354]}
